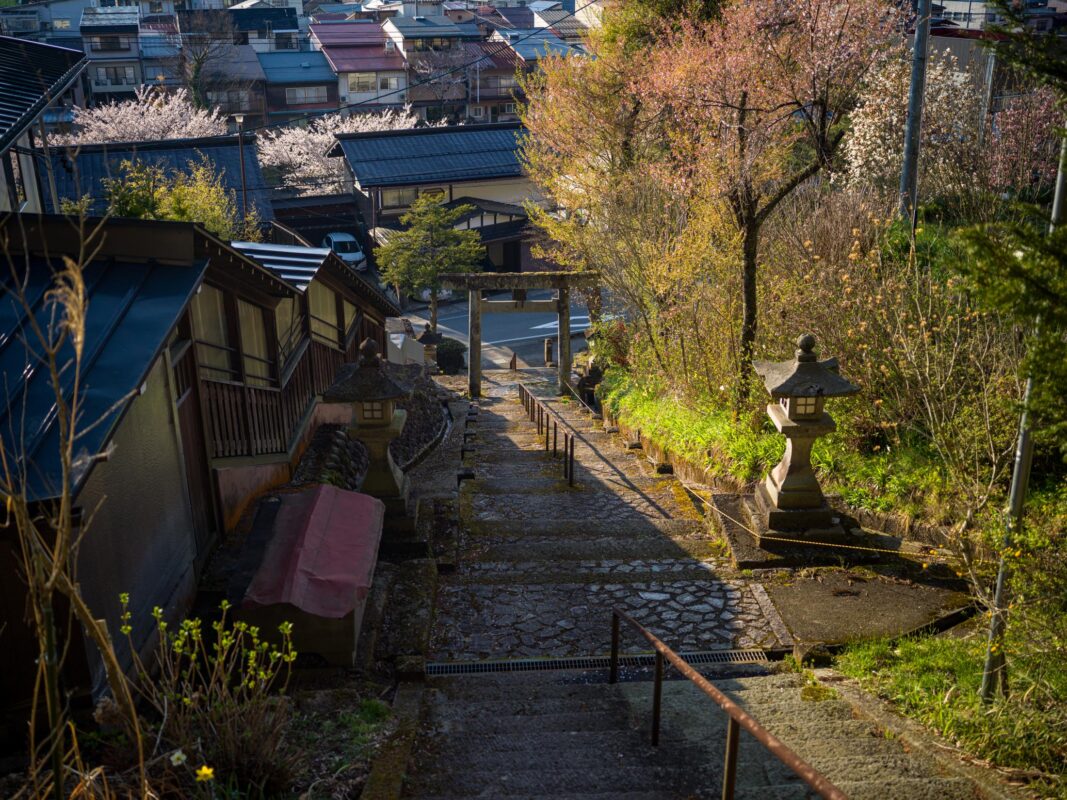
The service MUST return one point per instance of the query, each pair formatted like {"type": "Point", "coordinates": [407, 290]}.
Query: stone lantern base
{"type": "Point", "coordinates": [381, 480]}
{"type": "Point", "coordinates": [798, 525]}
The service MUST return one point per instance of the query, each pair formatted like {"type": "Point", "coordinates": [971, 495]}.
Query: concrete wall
{"type": "Point", "coordinates": [140, 538]}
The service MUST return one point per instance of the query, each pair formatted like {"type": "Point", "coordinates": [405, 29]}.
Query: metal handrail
{"type": "Point", "coordinates": [592, 411]}
{"type": "Point", "coordinates": [548, 425]}
{"type": "Point", "coordinates": [738, 718]}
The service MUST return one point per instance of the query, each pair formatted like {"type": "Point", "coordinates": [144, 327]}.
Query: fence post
{"type": "Point", "coordinates": [613, 675]}
{"type": "Point", "coordinates": [657, 699]}
{"type": "Point", "coordinates": [570, 461]}
{"type": "Point", "coordinates": [555, 438]}
{"type": "Point", "coordinates": [729, 773]}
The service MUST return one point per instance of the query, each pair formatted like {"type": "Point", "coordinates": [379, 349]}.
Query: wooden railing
{"type": "Point", "coordinates": [248, 420]}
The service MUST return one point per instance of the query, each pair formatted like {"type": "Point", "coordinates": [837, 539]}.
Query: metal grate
{"type": "Point", "coordinates": [590, 662]}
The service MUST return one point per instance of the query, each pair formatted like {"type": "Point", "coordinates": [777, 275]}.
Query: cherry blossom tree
{"type": "Point", "coordinates": [1025, 142]}
{"type": "Point", "coordinates": [152, 115]}
{"type": "Point", "coordinates": [299, 153]}
{"type": "Point", "coordinates": [952, 160]}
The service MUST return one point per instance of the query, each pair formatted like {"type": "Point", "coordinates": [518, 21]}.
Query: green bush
{"type": "Point", "coordinates": [450, 355]}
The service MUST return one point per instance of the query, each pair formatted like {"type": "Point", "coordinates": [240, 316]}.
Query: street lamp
{"type": "Point", "coordinates": [240, 120]}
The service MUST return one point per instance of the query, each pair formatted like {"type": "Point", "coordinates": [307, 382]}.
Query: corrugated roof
{"type": "Point", "coordinates": [516, 16]}
{"type": "Point", "coordinates": [347, 58]}
{"type": "Point", "coordinates": [434, 26]}
{"type": "Point", "coordinates": [432, 155]}
{"type": "Point", "coordinates": [298, 265]}
{"type": "Point", "coordinates": [563, 23]}
{"type": "Point", "coordinates": [296, 67]}
{"type": "Point", "coordinates": [533, 43]}
{"type": "Point", "coordinates": [31, 76]}
{"type": "Point", "coordinates": [114, 16]}
{"type": "Point", "coordinates": [494, 55]}
{"type": "Point", "coordinates": [351, 32]}
{"type": "Point", "coordinates": [132, 309]}
{"type": "Point", "coordinates": [81, 171]}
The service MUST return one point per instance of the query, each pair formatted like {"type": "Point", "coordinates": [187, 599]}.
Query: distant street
{"type": "Point", "coordinates": [503, 334]}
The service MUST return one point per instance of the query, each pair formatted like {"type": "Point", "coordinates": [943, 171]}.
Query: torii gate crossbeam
{"type": "Point", "coordinates": [475, 283]}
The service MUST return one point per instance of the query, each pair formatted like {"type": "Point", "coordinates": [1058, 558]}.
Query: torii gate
{"type": "Point", "coordinates": [518, 283]}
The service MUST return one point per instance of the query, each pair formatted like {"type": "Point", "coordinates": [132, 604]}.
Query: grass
{"type": "Point", "coordinates": [936, 679]}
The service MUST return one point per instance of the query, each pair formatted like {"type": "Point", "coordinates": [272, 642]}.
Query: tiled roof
{"type": "Point", "coordinates": [516, 16]}
{"type": "Point", "coordinates": [562, 23]}
{"type": "Point", "coordinates": [82, 171]}
{"type": "Point", "coordinates": [432, 155]}
{"type": "Point", "coordinates": [284, 67]}
{"type": "Point", "coordinates": [31, 76]}
{"type": "Point", "coordinates": [134, 306]}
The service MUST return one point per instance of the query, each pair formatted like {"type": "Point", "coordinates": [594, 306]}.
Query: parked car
{"type": "Point", "coordinates": [423, 295]}
{"type": "Point", "coordinates": [346, 246]}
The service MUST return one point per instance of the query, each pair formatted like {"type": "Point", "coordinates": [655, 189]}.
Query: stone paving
{"type": "Point", "coordinates": [622, 537]}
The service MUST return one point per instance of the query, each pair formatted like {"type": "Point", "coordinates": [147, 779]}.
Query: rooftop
{"type": "Point", "coordinates": [290, 67]}
{"type": "Point", "coordinates": [533, 43]}
{"type": "Point", "coordinates": [31, 76]}
{"type": "Point", "coordinates": [135, 303]}
{"type": "Point", "coordinates": [349, 32]}
{"type": "Point", "coordinates": [82, 171]}
{"type": "Point", "coordinates": [564, 24]}
{"type": "Point", "coordinates": [107, 17]}
{"type": "Point", "coordinates": [438, 26]}
{"type": "Point", "coordinates": [432, 155]}
{"type": "Point", "coordinates": [348, 58]}
{"type": "Point", "coordinates": [493, 55]}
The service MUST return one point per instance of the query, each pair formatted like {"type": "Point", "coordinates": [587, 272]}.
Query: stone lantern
{"type": "Point", "coordinates": [376, 420]}
{"type": "Point", "coordinates": [789, 502]}
{"type": "Point", "coordinates": [429, 340]}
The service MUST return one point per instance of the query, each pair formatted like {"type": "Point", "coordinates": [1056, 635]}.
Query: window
{"type": "Point", "coordinates": [350, 316]}
{"type": "Point", "coordinates": [398, 198]}
{"type": "Point", "coordinates": [323, 306]}
{"type": "Point", "coordinates": [61, 24]}
{"type": "Point", "coordinates": [373, 410]}
{"type": "Point", "coordinates": [256, 354]}
{"type": "Point", "coordinates": [388, 84]}
{"type": "Point", "coordinates": [510, 108]}
{"type": "Point", "coordinates": [155, 7]}
{"type": "Point", "coordinates": [361, 82]}
{"type": "Point", "coordinates": [284, 41]}
{"type": "Point", "coordinates": [433, 191]}
{"type": "Point", "coordinates": [115, 76]}
{"type": "Point", "coordinates": [211, 332]}
{"type": "Point", "coordinates": [109, 43]}
{"type": "Point", "coordinates": [289, 325]}
{"type": "Point", "coordinates": [232, 100]}
{"type": "Point", "coordinates": [477, 112]}
{"type": "Point", "coordinates": [301, 95]}
{"type": "Point", "coordinates": [507, 82]}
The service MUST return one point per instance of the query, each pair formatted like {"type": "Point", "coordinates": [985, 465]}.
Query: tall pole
{"type": "Point", "coordinates": [910, 172]}
{"type": "Point", "coordinates": [993, 673]}
{"type": "Point", "coordinates": [241, 157]}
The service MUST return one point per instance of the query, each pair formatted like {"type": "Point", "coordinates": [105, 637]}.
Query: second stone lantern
{"type": "Point", "coordinates": [789, 503]}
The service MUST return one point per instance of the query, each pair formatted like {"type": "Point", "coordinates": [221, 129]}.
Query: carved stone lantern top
{"type": "Point", "coordinates": [365, 382]}
{"type": "Point", "coordinates": [805, 375]}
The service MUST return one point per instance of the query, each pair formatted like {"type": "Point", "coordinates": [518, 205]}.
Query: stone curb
{"type": "Point", "coordinates": [916, 737]}
{"type": "Point", "coordinates": [387, 773]}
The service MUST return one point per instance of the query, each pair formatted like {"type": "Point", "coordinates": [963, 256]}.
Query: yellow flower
{"type": "Point", "coordinates": [204, 774]}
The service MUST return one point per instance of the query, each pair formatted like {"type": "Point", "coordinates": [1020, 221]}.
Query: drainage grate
{"type": "Point", "coordinates": [590, 662]}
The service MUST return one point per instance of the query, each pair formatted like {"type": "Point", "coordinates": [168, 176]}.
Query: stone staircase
{"type": "Point", "coordinates": [572, 735]}
{"type": "Point", "coordinates": [540, 565]}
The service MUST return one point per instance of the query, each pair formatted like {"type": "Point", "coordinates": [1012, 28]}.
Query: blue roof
{"type": "Point", "coordinates": [31, 76]}
{"type": "Point", "coordinates": [432, 155]}
{"type": "Point", "coordinates": [299, 67]}
{"type": "Point", "coordinates": [132, 309]}
{"type": "Point", "coordinates": [81, 170]}
{"type": "Point", "coordinates": [534, 43]}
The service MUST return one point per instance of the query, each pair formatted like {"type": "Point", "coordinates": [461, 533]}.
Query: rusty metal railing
{"type": "Point", "coordinates": [737, 717]}
{"type": "Point", "coordinates": [549, 425]}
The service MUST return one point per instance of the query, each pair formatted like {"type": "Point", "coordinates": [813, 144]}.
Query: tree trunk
{"type": "Point", "coordinates": [433, 311]}
{"type": "Point", "coordinates": [749, 317]}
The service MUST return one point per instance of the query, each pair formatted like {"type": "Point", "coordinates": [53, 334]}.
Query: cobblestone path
{"type": "Point", "coordinates": [543, 563]}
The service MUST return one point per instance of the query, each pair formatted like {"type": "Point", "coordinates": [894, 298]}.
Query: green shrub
{"type": "Point", "coordinates": [450, 355]}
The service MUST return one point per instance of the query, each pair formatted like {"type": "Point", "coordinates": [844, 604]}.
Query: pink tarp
{"type": "Point", "coordinates": [321, 557]}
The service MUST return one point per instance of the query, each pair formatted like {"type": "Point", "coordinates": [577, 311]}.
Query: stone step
{"type": "Point", "coordinates": [495, 483]}
{"type": "Point", "coordinates": [650, 795]}
{"type": "Point", "coordinates": [554, 569]}
{"type": "Point", "coordinates": [632, 549]}
{"type": "Point", "coordinates": [546, 531]}
{"type": "Point", "coordinates": [888, 786]}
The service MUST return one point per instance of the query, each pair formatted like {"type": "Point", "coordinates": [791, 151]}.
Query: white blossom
{"type": "Point", "coordinates": [152, 115]}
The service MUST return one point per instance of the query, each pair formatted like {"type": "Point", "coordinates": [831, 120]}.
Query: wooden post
{"type": "Point", "coordinates": [474, 335]}
{"type": "Point", "coordinates": [564, 339]}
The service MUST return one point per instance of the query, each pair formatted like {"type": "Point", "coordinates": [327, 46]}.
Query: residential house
{"type": "Point", "coordinates": [493, 83]}
{"type": "Point", "coordinates": [203, 390]}
{"type": "Point", "coordinates": [562, 23]}
{"type": "Point", "coordinates": [266, 29]}
{"type": "Point", "coordinates": [532, 44]}
{"type": "Point", "coordinates": [235, 83]}
{"type": "Point", "coordinates": [160, 45]}
{"type": "Point", "coordinates": [370, 71]}
{"type": "Point", "coordinates": [46, 20]}
{"type": "Point", "coordinates": [34, 77]}
{"type": "Point", "coordinates": [298, 84]}
{"type": "Point", "coordinates": [478, 164]}
{"type": "Point", "coordinates": [110, 37]}
{"type": "Point", "coordinates": [83, 171]}
{"type": "Point", "coordinates": [433, 48]}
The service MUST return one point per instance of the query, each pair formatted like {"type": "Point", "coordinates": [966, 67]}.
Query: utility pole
{"type": "Point", "coordinates": [241, 157]}
{"type": "Point", "coordinates": [909, 174]}
{"type": "Point", "coordinates": [994, 676]}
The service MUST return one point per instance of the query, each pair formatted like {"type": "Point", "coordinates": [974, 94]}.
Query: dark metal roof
{"type": "Point", "coordinates": [299, 265]}
{"type": "Point", "coordinates": [132, 309]}
{"type": "Point", "coordinates": [192, 21]}
{"type": "Point", "coordinates": [286, 67]}
{"type": "Point", "coordinates": [81, 171]}
{"type": "Point", "coordinates": [31, 76]}
{"type": "Point", "coordinates": [534, 43]}
{"type": "Point", "coordinates": [431, 26]}
{"type": "Point", "coordinates": [432, 155]}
